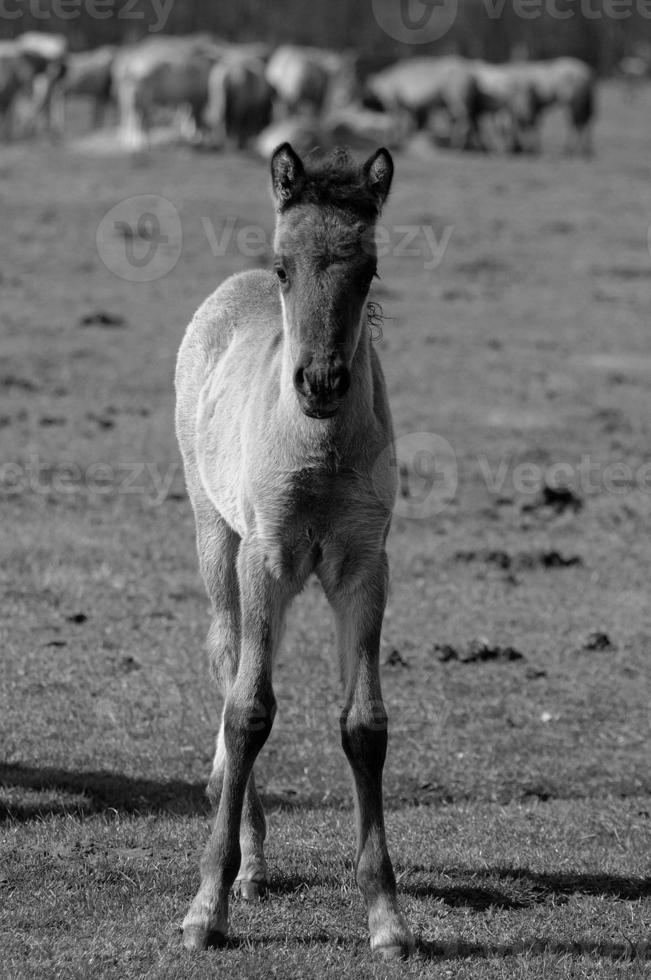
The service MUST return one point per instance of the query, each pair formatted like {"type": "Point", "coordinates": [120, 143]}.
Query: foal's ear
{"type": "Point", "coordinates": [378, 171]}
{"type": "Point", "coordinates": [287, 174]}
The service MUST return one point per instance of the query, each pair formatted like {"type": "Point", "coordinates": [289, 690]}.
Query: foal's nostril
{"type": "Point", "coordinates": [323, 384]}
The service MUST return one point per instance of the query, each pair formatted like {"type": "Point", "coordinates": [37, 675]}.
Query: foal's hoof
{"type": "Point", "coordinates": [200, 937]}
{"type": "Point", "coordinates": [394, 943]}
{"type": "Point", "coordinates": [251, 891]}
{"type": "Point", "coordinates": [388, 953]}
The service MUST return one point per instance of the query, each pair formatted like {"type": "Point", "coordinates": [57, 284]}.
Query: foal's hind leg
{"type": "Point", "coordinates": [218, 548]}
{"type": "Point", "coordinates": [359, 609]}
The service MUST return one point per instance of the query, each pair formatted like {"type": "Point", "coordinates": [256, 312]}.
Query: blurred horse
{"type": "Point", "coordinates": [16, 79]}
{"type": "Point", "coordinates": [508, 98]}
{"type": "Point", "coordinates": [357, 127]}
{"type": "Point", "coordinates": [312, 79]}
{"type": "Point", "coordinates": [351, 126]}
{"type": "Point", "coordinates": [421, 87]}
{"type": "Point", "coordinates": [162, 71]}
{"type": "Point", "coordinates": [304, 132]}
{"type": "Point", "coordinates": [47, 54]}
{"type": "Point", "coordinates": [285, 430]}
{"type": "Point", "coordinates": [89, 76]}
{"type": "Point", "coordinates": [635, 70]}
{"type": "Point", "coordinates": [240, 99]}
{"type": "Point", "coordinates": [570, 84]}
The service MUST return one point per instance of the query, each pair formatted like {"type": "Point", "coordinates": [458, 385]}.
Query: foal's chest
{"type": "Point", "coordinates": [320, 515]}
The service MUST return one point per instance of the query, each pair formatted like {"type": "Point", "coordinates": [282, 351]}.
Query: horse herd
{"type": "Point", "coordinates": [254, 95]}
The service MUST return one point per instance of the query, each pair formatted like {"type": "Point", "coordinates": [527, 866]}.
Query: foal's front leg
{"type": "Point", "coordinates": [359, 611]}
{"type": "Point", "coordinates": [218, 547]}
{"type": "Point", "coordinates": [248, 716]}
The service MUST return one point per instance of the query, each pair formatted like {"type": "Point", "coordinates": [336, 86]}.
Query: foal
{"type": "Point", "coordinates": [283, 423]}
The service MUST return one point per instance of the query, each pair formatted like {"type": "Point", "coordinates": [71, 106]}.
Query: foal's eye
{"type": "Point", "coordinates": [282, 275]}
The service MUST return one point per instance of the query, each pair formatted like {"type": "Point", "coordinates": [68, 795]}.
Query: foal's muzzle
{"type": "Point", "coordinates": [320, 387]}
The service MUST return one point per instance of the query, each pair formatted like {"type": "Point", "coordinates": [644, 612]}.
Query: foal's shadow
{"type": "Point", "coordinates": [481, 891]}
{"type": "Point", "coordinates": [85, 793]}
{"type": "Point", "coordinates": [61, 791]}
{"type": "Point", "coordinates": [535, 888]}
{"type": "Point", "coordinates": [537, 946]}
{"type": "Point", "coordinates": [58, 791]}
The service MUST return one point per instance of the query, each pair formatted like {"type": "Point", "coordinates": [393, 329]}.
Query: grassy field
{"type": "Point", "coordinates": [518, 790]}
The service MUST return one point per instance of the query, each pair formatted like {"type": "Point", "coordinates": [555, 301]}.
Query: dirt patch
{"type": "Point", "coordinates": [521, 561]}
{"type": "Point", "coordinates": [477, 651]}
{"type": "Point", "coordinates": [598, 641]}
{"type": "Point", "coordinates": [102, 318]}
{"type": "Point", "coordinates": [554, 499]}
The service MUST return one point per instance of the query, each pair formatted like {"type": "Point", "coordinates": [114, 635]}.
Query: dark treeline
{"type": "Point", "coordinates": [600, 31]}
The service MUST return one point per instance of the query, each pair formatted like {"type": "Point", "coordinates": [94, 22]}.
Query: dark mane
{"type": "Point", "coordinates": [336, 181]}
